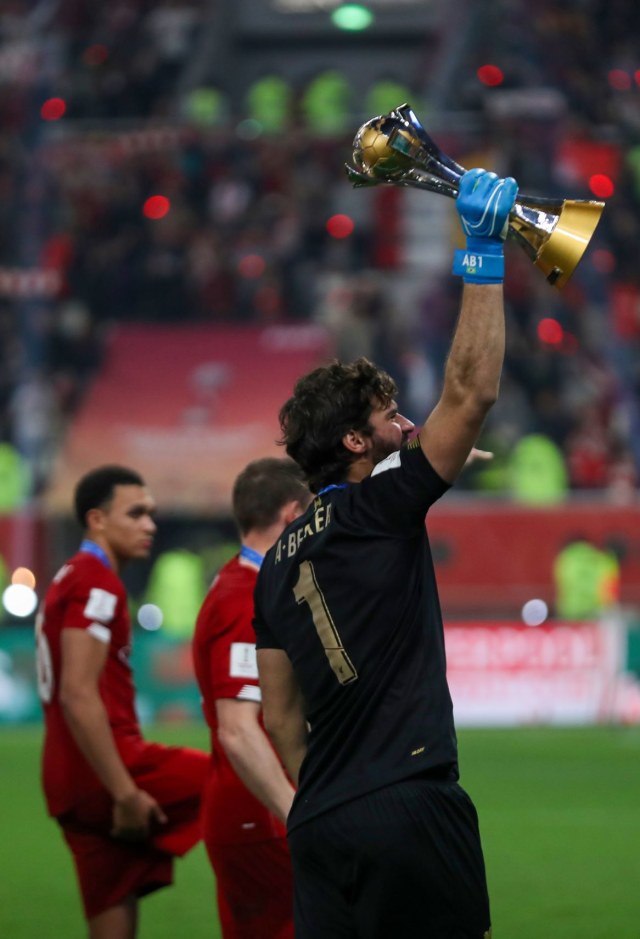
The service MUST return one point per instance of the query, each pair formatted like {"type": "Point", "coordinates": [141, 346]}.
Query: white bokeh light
{"type": "Point", "coordinates": [534, 612]}
{"type": "Point", "coordinates": [150, 616]}
{"type": "Point", "coordinates": [19, 600]}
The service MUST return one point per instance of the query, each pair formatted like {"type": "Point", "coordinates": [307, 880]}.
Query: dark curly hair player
{"type": "Point", "coordinates": [383, 839]}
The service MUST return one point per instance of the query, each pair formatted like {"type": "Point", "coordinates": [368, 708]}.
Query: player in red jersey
{"type": "Point", "coordinates": [248, 795]}
{"type": "Point", "coordinates": [126, 807]}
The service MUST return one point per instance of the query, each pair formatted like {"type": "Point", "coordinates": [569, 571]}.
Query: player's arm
{"type": "Point", "coordinates": [83, 658]}
{"type": "Point", "coordinates": [282, 708]}
{"type": "Point", "coordinates": [252, 756]}
{"type": "Point", "coordinates": [472, 374]}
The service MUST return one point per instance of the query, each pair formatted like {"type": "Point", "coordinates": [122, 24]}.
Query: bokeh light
{"type": "Point", "coordinates": [53, 109]}
{"type": "Point", "coordinates": [22, 575]}
{"type": "Point", "coordinates": [252, 266]}
{"type": "Point", "coordinates": [601, 185]}
{"type": "Point", "coordinates": [619, 79]}
{"type": "Point", "coordinates": [550, 331]}
{"type": "Point", "coordinates": [491, 75]}
{"type": "Point", "coordinates": [150, 617]}
{"type": "Point", "coordinates": [534, 612]}
{"type": "Point", "coordinates": [19, 600]}
{"type": "Point", "coordinates": [156, 207]}
{"type": "Point", "coordinates": [352, 16]}
{"type": "Point", "coordinates": [340, 226]}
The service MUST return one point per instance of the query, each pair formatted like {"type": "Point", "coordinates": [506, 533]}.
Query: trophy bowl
{"type": "Point", "coordinates": [395, 148]}
{"type": "Point", "coordinates": [372, 153]}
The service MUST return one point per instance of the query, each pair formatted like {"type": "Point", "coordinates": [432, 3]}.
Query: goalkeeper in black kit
{"type": "Point", "coordinates": [383, 839]}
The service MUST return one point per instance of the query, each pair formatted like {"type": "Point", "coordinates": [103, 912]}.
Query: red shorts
{"type": "Point", "coordinates": [108, 869]}
{"type": "Point", "coordinates": [254, 888]}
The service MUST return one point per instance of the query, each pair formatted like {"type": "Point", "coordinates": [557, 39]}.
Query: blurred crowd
{"type": "Point", "coordinates": [136, 205]}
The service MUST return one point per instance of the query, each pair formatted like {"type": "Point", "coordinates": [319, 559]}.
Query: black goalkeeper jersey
{"type": "Point", "coordinates": [349, 593]}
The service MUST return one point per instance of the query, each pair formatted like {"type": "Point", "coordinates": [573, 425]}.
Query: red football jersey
{"type": "Point", "coordinates": [224, 655]}
{"type": "Point", "coordinates": [84, 594]}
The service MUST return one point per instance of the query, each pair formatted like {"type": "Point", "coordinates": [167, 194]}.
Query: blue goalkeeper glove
{"type": "Point", "coordinates": [484, 202]}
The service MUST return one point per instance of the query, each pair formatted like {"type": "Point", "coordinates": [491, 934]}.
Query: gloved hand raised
{"type": "Point", "coordinates": [484, 202]}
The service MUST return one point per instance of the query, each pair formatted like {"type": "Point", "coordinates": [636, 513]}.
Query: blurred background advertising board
{"type": "Point", "coordinates": [509, 674]}
{"type": "Point", "coordinates": [501, 673]}
{"type": "Point", "coordinates": [187, 407]}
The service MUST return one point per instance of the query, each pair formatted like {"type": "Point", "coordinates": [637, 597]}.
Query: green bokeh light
{"type": "Point", "coordinates": [352, 16]}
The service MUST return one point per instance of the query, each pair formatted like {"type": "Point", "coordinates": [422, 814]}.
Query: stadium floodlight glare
{"type": "Point", "coordinates": [352, 16]}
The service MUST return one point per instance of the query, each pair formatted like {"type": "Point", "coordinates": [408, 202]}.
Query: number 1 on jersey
{"type": "Point", "coordinates": [307, 591]}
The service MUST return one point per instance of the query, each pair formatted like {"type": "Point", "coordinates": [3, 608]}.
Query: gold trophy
{"type": "Point", "coordinates": [395, 148]}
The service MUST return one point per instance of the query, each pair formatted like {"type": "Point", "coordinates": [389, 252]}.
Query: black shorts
{"type": "Point", "coordinates": [404, 861]}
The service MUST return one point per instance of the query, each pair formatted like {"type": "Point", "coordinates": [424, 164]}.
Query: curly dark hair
{"type": "Point", "coordinates": [326, 404]}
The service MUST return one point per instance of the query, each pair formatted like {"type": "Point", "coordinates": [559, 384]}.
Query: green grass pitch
{"type": "Point", "coordinates": [559, 811]}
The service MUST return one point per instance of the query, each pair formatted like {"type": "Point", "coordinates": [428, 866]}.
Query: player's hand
{"type": "Point", "coordinates": [134, 815]}
{"type": "Point", "coordinates": [484, 202]}
{"type": "Point", "coordinates": [476, 455]}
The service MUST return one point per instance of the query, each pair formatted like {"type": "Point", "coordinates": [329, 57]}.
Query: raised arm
{"type": "Point", "coordinates": [474, 365]}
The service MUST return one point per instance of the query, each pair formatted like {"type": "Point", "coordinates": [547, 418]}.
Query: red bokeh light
{"type": "Point", "coordinates": [603, 261]}
{"type": "Point", "coordinates": [491, 75]}
{"type": "Point", "coordinates": [619, 79]}
{"type": "Point", "coordinates": [53, 109]}
{"type": "Point", "coordinates": [636, 76]}
{"type": "Point", "coordinates": [340, 226]}
{"type": "Point", "coordinates": [96, 54]}
{"type": "Point", "coordinates": [601, 185]}
{"type": "Point", "coordinates": [252, 266]}
{"type": "Point", "coordinates": [156, 207]}
{"type": "Point", "coordinates": [550, 331]}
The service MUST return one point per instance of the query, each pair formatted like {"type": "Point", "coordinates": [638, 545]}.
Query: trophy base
{"type": "Point", "coordinates": [560, 252]}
